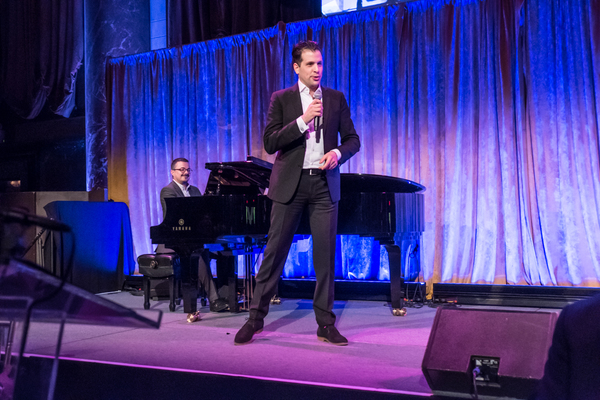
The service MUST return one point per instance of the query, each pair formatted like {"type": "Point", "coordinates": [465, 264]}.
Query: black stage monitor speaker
{"type": "Point", "coordinates": [488, 353]}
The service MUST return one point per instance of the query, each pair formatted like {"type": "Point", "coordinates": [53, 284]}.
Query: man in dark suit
{"type": "Point", "coordinates": [572, 371]}
{"type": "Point", "coordinates": [302, 128]}
{"type": "Point", "coordinates": [180, 187]}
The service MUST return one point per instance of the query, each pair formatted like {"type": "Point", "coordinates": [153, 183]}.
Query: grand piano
{"type": "Point", "coordinates": [236, 210]}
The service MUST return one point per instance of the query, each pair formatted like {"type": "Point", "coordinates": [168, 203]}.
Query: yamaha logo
{"type": "Point", "coordinates": [181, 227]}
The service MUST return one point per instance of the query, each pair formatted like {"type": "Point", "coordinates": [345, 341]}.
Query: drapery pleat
{"type": "Point", "coordinates": [561, 59]}
{"type": "Point", "coordinates": [492, 105]}
{"type": "Point", "coordinates": [41, 50]}
{"type": "Point", "coordinates": [193, 21]}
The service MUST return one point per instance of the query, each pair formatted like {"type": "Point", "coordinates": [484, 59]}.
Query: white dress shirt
{"type": "Point", "coordinates": [314, 150]}
{"type": "Point", "coordinates": [184, 189]}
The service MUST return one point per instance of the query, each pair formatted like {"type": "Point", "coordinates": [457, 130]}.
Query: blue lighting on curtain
{"type": "Point", "coordinates": [490, 104]}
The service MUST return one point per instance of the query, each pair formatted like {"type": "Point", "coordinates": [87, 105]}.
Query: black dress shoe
{"type": "Point", "coordinates": [329, 333]}
{"type": "Point", "coordinates": [244, 335]}
{"type": "Point", "coordinates": [219, 305]}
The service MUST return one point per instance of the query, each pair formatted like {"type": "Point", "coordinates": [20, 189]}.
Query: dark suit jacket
{"type": "Point", "coordinates": [283, 136]}
{"type": "Point", "coordinates": [173, 190]}
{"type": "Point", "coordinates": [573, 367]}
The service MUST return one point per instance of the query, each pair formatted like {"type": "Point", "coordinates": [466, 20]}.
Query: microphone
{"type": "Point", "coordinates": [15, 216]}
{"type": "Point", "coordinates": [318, 95]}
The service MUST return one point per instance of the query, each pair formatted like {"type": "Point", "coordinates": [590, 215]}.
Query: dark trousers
{"type": "Point", "coordinates": [313, 196]}
{"type": "Point", "coordinates": [205, 278]}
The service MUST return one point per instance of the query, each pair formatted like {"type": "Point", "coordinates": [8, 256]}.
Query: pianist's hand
{"type": "Point", "coordinates": [330, 159]}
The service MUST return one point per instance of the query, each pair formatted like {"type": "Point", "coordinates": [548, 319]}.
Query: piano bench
{"type": "Point", "coordinates": [159, 267]}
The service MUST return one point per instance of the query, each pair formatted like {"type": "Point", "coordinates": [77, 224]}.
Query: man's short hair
{"type": "Point", "coordinates": [175, 161]}
{"type": "Point", "coordinates": [300, 47]}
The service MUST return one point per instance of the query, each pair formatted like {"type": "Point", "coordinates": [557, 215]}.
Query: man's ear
{"type": "Point", "coordinates": [296, 68]}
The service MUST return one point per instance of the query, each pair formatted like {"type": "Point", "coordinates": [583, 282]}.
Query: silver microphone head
{"type": "Point", "coordinates": [318, 94]}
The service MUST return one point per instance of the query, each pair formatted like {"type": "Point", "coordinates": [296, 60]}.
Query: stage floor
{"type": "Point", "coordinates": [384, 354]}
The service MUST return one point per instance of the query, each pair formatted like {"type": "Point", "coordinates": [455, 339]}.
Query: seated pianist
{"type": "Point", "coordinates": [180, 187]}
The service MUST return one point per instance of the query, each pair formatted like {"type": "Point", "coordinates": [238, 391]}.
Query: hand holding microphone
{"type": "Point", "coordinates": [314, 110]}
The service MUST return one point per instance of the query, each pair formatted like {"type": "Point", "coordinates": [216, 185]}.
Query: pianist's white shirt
{"type": "Point", "coordinates": [184, 189]}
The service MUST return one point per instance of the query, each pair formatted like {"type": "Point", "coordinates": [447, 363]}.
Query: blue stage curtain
{"type": "Point", "coordinates": [558, 142]}
{"type": "Point", "coordinates": [492, 105]}
{"type": "Point", "coordinates": [41, 51]}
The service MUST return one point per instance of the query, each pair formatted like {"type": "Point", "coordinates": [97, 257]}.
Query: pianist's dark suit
{"type": "Point", "coordinates": [173, 190]}
{"type": "Point", "coordinates": [204, 274]}
{"type": "Point", "coordinates": [292, 192]}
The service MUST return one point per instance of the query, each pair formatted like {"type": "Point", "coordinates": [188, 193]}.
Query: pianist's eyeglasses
{"type": "Point", "coordinates": [182, 170]}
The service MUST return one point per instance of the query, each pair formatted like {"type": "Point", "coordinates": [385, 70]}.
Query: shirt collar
{"type": "Point", "coordinates": [302, 87]}
{"type": "Point", "coordinates": [183, 188]}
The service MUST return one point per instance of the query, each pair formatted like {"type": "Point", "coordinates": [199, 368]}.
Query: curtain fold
{"type": "Point", "coordinates": [41, 50]}
{"type": "Point", "coordinates": [193, 21]}
{"type": "Point", "coordinates": [492, 105]}
{"type": "Point", "coordinates": [561, 140]}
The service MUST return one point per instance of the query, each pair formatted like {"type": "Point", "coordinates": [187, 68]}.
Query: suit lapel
{"type": "Point", "coordinates": [177, 189]}
{"type": "Point", "coordinates": [296, 100]}
{"type": "Point", "coordinates": [326, 110]}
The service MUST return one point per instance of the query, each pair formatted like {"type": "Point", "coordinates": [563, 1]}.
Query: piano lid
{"type": "Point", "coordinates": [252, 177]}
{"type": "Point", "coordinates": [368, 183]}
{"type": "Point", "coordinates": [238, 177]}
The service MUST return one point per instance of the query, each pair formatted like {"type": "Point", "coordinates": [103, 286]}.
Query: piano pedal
{"type": "Point", "coordinates": [276, 300]}
{"type": "Point", "coordinates": [193, 317]}
{"type": "Point", "coordinates": [399, 312]}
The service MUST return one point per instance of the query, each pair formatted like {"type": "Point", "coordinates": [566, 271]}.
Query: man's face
{"type": "Point", "coordinates": [182, 177]}
{"type": "Point", "coordinates": [310, 69]}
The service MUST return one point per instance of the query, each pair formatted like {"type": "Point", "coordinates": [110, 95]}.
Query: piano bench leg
{"type": "Point", "coordinates": [146, 287]}
{"type": "Point", "coordinates": [172, 284]}
{"type": "Point", "coordinates": [177, 292]}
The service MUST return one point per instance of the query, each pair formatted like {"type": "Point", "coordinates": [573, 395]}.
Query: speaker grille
{"type": "Point", "coordinates": [519, 339]}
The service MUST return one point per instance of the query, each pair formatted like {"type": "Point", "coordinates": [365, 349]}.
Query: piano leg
{"type": "Point", "coordinates": [190, 297]}
{"type": "Point", "coordinates": [249, 273]}
{"type": "Point", "coordinates": [396, 280]}
{"type": "Point", "coordinates": [188, 271]}
{"type": "Point", "coordinates": [227, 275]}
